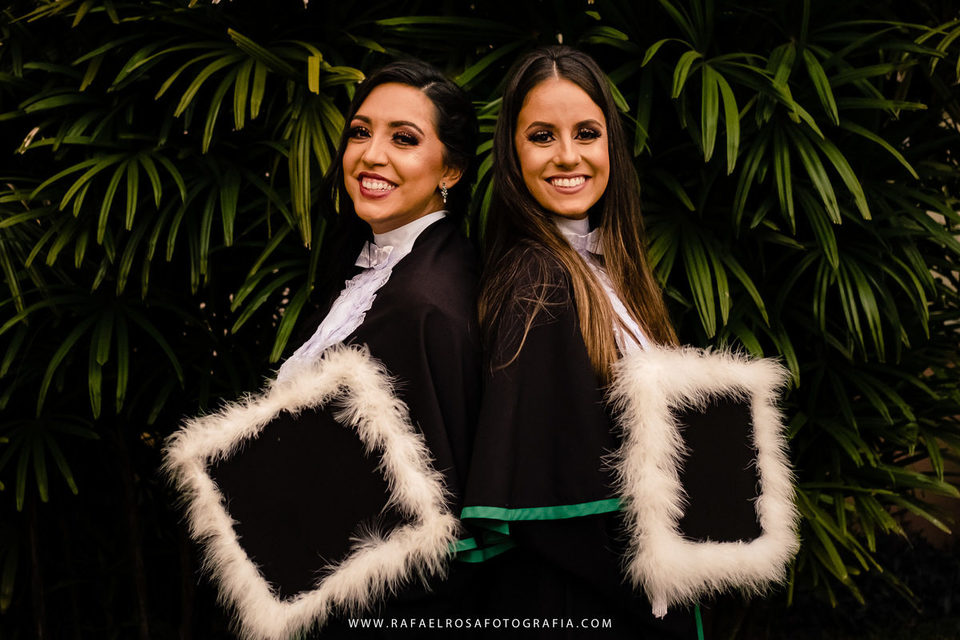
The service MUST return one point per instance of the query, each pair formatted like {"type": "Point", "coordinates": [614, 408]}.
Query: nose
{"type": "Point", "coordinates": [374, 151]}
{"type": "Point", "coordinates": [568, 155]}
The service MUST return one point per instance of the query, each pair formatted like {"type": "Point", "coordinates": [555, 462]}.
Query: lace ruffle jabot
{"type": "Point", "coordinates": [377, 258]}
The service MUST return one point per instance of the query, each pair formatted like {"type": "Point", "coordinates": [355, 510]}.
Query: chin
{"type": "Point", "coordinates": [370, 214]}
{"type": "Point", "coordinates": [568, 211]}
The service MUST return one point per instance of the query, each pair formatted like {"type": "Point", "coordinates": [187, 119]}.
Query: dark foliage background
{"type": "Point", "coordinates": [159, 240]}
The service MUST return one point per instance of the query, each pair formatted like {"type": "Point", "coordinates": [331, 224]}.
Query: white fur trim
{"type": "Point", "coordinates": [375, 565]}
{"type": "Point", "coordinates": [648, 386]}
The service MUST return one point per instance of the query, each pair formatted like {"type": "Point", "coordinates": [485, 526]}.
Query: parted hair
{"type": "Point", "coordinates": [456, 125]}
{"type": "Point", "coordinates": [520, 233]}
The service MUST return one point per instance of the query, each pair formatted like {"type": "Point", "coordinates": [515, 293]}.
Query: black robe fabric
{"type": "Point", "coordinates": [422, 328]}
{"type": "Point", "coordinates": [540, 468]}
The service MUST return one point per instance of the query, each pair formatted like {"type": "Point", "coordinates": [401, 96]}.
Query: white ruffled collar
{"type": "Point", "coordinates": [578, 234]}
{"type": "Point", "coordinates": [397, 242]}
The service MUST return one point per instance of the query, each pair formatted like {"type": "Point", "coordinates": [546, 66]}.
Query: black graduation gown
{"type": "Point", "coordinates": [540, 470]}
{"type": "Point", "coordinates": [293, 491]}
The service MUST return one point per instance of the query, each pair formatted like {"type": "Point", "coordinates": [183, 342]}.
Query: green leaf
{"type": "Point", "coordinates": [40, 471]}
{"type": "Point", "coordinates": [261, 54]}
{"type": "Point", "coordinates": [731, 120]}
{"type": "Point", "coordinates": [103, 337]}
{"type": "Point", "coordinates": [675, 188]}
{"type": "Point", "coordinates": [21, 481]}
{"type": "Point", "coordinates": [123, 361]}
{"type": "Point", "coordinates": [843, 167]}
{"type": "Point", "coordinates": [216, 101]}
{"type": "Point", "coordinates": [313, 73]}
{"type": "Point", "coordinates": [917, 510]}
{"type": "Point", "coordinates": [175, 174]}
{"type": "Point", "coordinates": [259, 89]}
{"type": "Point", "coordinates": [102, 163]}
{"type": "Point", "coordinates": [680, 18]}
{"type": "Point", "coordinates": [108, 200]}
{"type": "Point", "coordinates": [241, 89]}
{"type": "Point", "coordinates": [748, 174]}
{"type": "Point", "coordinates": [822, 85]}
{"type": "Point", "coordinates": [870, 135]}
{"type": "Point", "coordinates": [644, 109]}
{"type": "Point", "coordinates": [868, 302]}
{"type": "Point", "coordinates": [133, 193]}
{"type": "Point", "coordinates": [652, 49]}
{"type": "Point", "coordinates": [723, 288]}
{"type": "Point", "coordinates": [818, 175]}
{"type": "Point", "coordinates": [744, 278]}
{"type": "Point", "coordinates": [206, 228]}
{"type": "Point", "coordinates": [700, 279]}
{"type": "Point", "coordinates": [682, 70]}
{"type": "Point", "coordinates": [262, 296]}
{"type": "Point", "coordinates": [147, 326]}
{"type": "Point", "coordinates": [709, 110]}
{"type": "Point", "coordinates": [12, 349]}
{"type": "Point", "coordinates": [80, 166]}
{"type": "Point", "coordinates": [199, 79]}
{"type": "Point", "coordinates": [229, 197]}
{"type": "Point", "coordinates": [822, 228]}
{"type": "Point", "coordinates": [783, 177]}
{"type": "Point", "coordinates": [287, 322]}
{"type": "Point", "coordinates": [471, 73]}
{"type": "Point", "coordinates": [855, 74]}
{"type": "Point", "coordinates": [126, 259]}
{"type": "Point", "coordinates": [91, 72]}
{"type": "Point", "coordinates": [62, 351]}
{"type": "Point", "coordinates": [186, 65]}
{"type": "Point", "coordinates": [95, 381]}
{"type": "Point", "coordinates": [61, 462]}
{"type": "Point", "coordinates": [150, 168]}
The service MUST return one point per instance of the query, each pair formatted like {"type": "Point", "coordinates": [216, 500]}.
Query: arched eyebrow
{"type": "Point", "coordinates": [540, 125]}
{"type": "Point", "coordinates": [393, 125]}
{"type": "Point", "coordinates": [589, 123]}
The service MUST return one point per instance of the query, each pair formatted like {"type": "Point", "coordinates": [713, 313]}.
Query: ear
{"type": "Point", "coordinates": [451, 176]}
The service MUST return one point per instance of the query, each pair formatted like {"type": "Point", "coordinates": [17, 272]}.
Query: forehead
{"type": "Point", "coordinates": [395, 102]}
{"type": "Point", "coordinates": [558, 101]}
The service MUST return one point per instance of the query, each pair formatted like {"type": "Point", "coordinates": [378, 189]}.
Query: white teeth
{"type": "Point", "coordinates": [568, 182]}
{"type": "Point", "coordinates": [377, 185]}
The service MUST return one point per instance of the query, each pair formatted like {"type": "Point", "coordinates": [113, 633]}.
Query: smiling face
{"type": "Point", "coordinates": [561, 143]}
{"type": "Point", "coordinates": [393, 163]}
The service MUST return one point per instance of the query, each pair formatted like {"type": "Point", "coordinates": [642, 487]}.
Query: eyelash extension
{"type": "Point", "coordinates": [407, 139]}
{"type": "Point", "coordinates": [540, 136]}
{"type": "Point", "coordinates": [357, 131]}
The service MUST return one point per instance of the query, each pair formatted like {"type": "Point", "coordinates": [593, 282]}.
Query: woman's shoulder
{"type": "Point", "coordinates": [529, 290]}
{"type": "Point", "coordinates": [529, 271]}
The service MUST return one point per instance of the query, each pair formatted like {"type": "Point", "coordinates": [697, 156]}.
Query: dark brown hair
{"type": "Point", "coordinates": [456, 125]}
{"type": "Point", "coordinates": [517, 222]}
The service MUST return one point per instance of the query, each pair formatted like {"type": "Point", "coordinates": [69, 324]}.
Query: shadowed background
{"type": "Point", "coordinates": [160, 236]}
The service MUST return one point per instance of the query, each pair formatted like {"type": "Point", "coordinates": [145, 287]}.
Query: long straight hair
{"type": "Point", "coordinates": [518, 223]}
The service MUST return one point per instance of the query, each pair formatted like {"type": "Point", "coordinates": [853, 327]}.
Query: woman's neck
{"type": "Point", "coordinates": [578, 226]}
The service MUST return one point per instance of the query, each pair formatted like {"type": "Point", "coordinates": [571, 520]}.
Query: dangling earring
{"type": "Point", "coordinates": [443, 191]}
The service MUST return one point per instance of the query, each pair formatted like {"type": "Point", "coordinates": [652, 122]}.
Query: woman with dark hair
{"type": "Point", "coordinates": [569, 310]}
{"type": "Point", "coordinates": [334, 491]}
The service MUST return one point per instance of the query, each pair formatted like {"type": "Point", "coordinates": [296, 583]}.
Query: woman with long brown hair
{"type": "Point", "coordinates": [567, 292]}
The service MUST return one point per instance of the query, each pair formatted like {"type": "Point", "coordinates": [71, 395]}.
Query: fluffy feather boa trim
{"type": "Point", "coordinates": [649, 386]}
{"type": "Point", "coordinates": [365, 402]}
